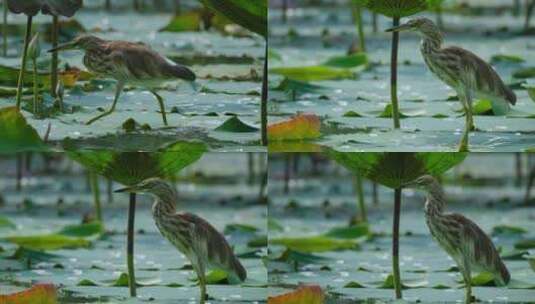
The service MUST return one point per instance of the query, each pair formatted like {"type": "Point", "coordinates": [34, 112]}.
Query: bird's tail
{"type": "Point", "coordinates": [238, 273]}
{"type": "Point", "coordinates": [502, 275]}
{"type": "Point", "coordinates": [182, 72]}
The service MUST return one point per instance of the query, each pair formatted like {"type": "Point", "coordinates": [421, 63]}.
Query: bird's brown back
{"type": "Point", "coordinates": [484, 253]}
{"type": "Point", "coordinates": [487, 80]}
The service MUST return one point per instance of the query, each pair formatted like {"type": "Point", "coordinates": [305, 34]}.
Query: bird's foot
{"type": "Point", "coordinates": [92, 120]}
{"type": "Point", "coordinates": [472, 299]}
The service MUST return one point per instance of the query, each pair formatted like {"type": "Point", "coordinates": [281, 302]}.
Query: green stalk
{"type": "Point", "coordinates": [130, 245]}
{"type": "Point", "coordinates": [394, 75]}
{"type": "Point", "coordinates": [531, 178]}
{"type": "Point", "coordinates": [529, 11]}
{"type": "Point", "coordinates": [93, 179]}
{"type": "Point", "coordinates": [375, 194]}
{"type": "Point", "coordinates": [395, 243]}
{"type": "Point", "coordinates": [284, 11]}
{"type": "Point", "coordinates": [357, 14]}
{"type": "Point", "coordinates": [36, 107]}
{"type": "Point", "coordinates": [19, 172]}
{"type": "Point", "coordinates": [263, 105]}
{"type": "Point", "coordinates": [54, 63]}
{"type": "Point", "coordinates": [4, 29]}
{"type": "Point", "coordinates": [360, 198]}
{"type": "Point", "coordinates": [23, 64]}
{"type": "Point", "coordinates": [375, 22]}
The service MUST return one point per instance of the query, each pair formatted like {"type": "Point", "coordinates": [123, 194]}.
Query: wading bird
{"type": "Point", "coordinates": [128, 63]}
{"type": "Point", "coordinates": [470, 76]}
{"type": "Point", "coordinates": [462, 239]}
{"type": "Point", "coordinates": [199, 241]}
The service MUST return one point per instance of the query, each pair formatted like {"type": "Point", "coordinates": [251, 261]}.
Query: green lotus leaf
{"type": "Point", "coordinates": [251, 14]}
{"type": "Point", "coordinates": [132, 167]}
{"type": "Point", "coordinates": [395, 169]}
{"type": "Point", "coordinates": [396, 8]}
{"type": "Point", "coordinates": [16, 134]}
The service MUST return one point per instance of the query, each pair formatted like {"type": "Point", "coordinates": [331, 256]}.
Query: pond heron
{"type": "Point", "coordinates": [199, 241]}
{"type": "Point", "coordinates": [462, 239]}
{"type": "Point", "coordinates": [470, 76]}
{"type": "Point", "coordinates": [127, 63]}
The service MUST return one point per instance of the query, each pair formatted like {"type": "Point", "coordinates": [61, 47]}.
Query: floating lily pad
{"type": "Point", "coordinates": [234, 124]}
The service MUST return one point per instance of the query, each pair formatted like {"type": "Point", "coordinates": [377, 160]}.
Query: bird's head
{"type": "Point", "coordinates": [424, 182]}
{"type": "Point", "coordinates": [153, 185]}
{"type": "Point", "coordinates": [421, 25]}
{"type": "Point", "coordinates": [83, 42]}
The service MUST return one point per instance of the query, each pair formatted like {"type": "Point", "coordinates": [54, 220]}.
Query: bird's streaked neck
{"type": "Point", "coordinates": [165, 202]}
{"type": "Point", "coordinates": [435, 200]}
{"type": "Point", "coordinates": [431, 41]}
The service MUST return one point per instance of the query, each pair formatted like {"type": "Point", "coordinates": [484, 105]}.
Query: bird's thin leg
{"type": "Point", "coordinates": [463, 146]}
{"type": "Point", "coordinates": [202, 281]}
{"type": "Point", "coordinates": [162, 106]}
{"type": "Point", "coordinates": [470, 115]}
{"type": "Point", "coordinates": [465, 270]}
{"type": "Point", "coordinates": [118, 90]}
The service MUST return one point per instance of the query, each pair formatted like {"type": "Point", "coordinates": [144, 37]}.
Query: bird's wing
{"type": "Point", "coordinates": [485, 78]}
{"type": "Point", "coordinates": [213, 246]}
{"type": "Point", "coordinates": [142, 62]}
{"type": "Point", "coordinates": [479, 247]}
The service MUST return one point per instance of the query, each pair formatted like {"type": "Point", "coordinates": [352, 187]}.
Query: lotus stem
{"type": "Point", "coordinates": [4, 30]}
{"type": "Point", "coordinates": [357, 15]}
{"type": "Point", "coordinates": [375, 24]}
{"type": "Point", "coordinates": [360, 198]}
{"type": "Point", "coordinates": [375, 194]}
{"type": "Point", "coordinates": [108, 5]}
{"type": "Point", "coordinates": [96, 195]}
{"type": "Point", "coordinates": [287, 161]}
{"type": "Point", "coordinates": [54, 63]}
{"type": "Point", "coordinates": [529, 10]}
{"type": "Point", "coordinates": [18, 185]}
{"type": "Point", "coordinates": [531, 178]}
{"type": "Point", "coordinates": [440, 22]}
{"type": "Point", "coordinates": [23, 63]}
{"type": "Point", "coordinates": [395, 243]}
{"type": "Point", "coordinates": [516, 8]}
{"type": "Point", "coordinates": [394, 75]}
{"type": "Point", "coordinates": [263, 105]}
{"type": "Point", "coordinates": [130, 245]}
{"type": "Point", "coordinates": [250, 169]}
{"type": "Point", "coordinates": [518, 169]}
{"type": "Point", "coordinates": [109, 184]}
{"type": "Point", "coordinates": [36, 107]}
{"type": "Point", "coordinates": [284, 11]}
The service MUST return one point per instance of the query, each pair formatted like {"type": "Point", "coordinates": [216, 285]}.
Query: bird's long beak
{"type": "Point", "coordinates": [403, 27]}
{"type": "Point", "coordinates": [63, 47]}
{"type": "Point", "coordinates": [126, 189]}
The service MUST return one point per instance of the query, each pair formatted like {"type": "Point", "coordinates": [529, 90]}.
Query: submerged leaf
{"type": "Point", "coordinates": [6, 223]}
{"type": "Point", "coordinates": [351, 232]}
{"type": "Point", "coordinates": [313, 73]}
{"type": "Point", "coordinates": [524, 73]}
{"type": "Point", "coordinates": [348, 61]}
{"type": "Point", "coordinates": [506, 58]}
{"type": "Point", "coordinates": [48, 242]}
{"type": "Point", "coordinates": [314, 244]}
{"type": "Point", "coordinates": [300, 127]}
{"type": "Point", "coordinates": [83, 230]}
{"type": "Point", "coordinates": [234, 124]}
{"type": "Point", "coordinates": [38, 294]}
{"type": "Point", "coordinates": [506, 229]}
{"type": "Point", "coordinates": [303, 295]}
